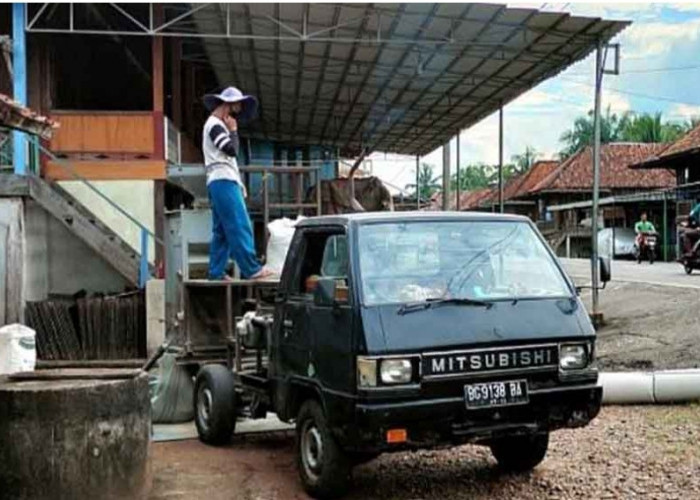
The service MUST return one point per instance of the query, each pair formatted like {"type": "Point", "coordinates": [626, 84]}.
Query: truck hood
{"type": "Point", "coordinates": [453, 326]}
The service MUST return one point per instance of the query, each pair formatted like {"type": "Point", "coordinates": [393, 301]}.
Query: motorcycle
{"type": "Point", "coordinates": [645, 246]}
{"type": "Point", "coordinates": [690, 243]}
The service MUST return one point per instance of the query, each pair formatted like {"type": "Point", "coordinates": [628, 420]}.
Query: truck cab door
{"type": "Point", "coordinates": [315, 342]}
{"type": "Point", "coordinates": [292, 343]}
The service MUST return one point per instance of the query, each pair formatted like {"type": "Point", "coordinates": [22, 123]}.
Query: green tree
{"type": "Point", "coordinates": [472, 177]}
{"type": "Point", "coordinates": [428, 182]}
{"type": "Point", "coordinates": [524, 161]}
{"type": "Point", "coordinates": [581, 135]}
{"type": "Point", "coordinates": [651, 128]}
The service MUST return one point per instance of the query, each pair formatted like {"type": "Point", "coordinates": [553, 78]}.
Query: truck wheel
{"type": "Point", "coordinates": [215, 404]}
{"type": "Point", "coordinates": [324, 468]}
{"type": "Point", "coordinates": [688, 268]}
{"type": "Point", "coordinates": [520, 453]}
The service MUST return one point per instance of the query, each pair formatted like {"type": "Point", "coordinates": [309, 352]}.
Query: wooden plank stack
{"type": "Point", "coordinates": [112, 327]}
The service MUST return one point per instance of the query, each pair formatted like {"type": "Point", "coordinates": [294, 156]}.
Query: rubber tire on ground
{"type": "Point", "coordinates": [688, 269]}
{"type": "Point", "coordinates": [333, 477]}
{"type": "Point", "coordinates": [520, 453]}
{"type": "Point", "coordinates": [216, 428]}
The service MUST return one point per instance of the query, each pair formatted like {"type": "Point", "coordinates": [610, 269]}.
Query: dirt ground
{"type": "Point", "coordinates": [648, 327]}
{"type": "Point", "coordinates": [628, 452]}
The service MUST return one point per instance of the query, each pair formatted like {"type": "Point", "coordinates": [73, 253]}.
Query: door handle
{"type": "Point", "coordinates": [288, 323]}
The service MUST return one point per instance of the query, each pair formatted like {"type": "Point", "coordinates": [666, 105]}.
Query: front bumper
{"type": "Point", "coordinates": [432, 422]}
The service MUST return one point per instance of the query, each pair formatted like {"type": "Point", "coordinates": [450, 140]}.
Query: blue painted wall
{"type": "Point", "coordinates": [262, 153]}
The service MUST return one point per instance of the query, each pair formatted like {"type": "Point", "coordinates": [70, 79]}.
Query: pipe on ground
{"type": "Point", "coordinates": [660, 387]}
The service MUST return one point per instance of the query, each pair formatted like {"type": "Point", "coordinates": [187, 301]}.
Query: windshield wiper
{"type": "Point", "coordinates": [432, 303]}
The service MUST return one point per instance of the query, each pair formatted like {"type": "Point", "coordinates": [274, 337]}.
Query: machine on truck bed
{"type": "Point", "coordinates": [395, 331]}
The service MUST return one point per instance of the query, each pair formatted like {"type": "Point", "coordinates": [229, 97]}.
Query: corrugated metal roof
{"type": "Point", "coordinates": [388, 77]}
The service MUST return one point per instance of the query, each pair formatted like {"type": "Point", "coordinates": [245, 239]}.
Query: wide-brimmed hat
{"type": "Point", "coordinates": [249, 104]}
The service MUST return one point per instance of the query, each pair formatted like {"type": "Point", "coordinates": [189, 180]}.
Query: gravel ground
{"type": "Point", "coordinates": [627, 452]}
{"type": "Point", "coordinates": [648, 327]}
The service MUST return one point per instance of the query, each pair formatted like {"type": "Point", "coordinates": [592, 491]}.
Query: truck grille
{"type": "Point", "coordinates": [476, 362]}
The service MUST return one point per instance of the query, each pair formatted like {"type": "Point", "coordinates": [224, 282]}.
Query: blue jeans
{"type": "Point", "coordinates": [232, 234]}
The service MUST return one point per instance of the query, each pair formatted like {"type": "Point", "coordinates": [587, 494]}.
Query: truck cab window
{"type": "Point", "coordinates": [325, 255]}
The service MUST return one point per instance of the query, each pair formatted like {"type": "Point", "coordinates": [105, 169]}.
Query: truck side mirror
{"type": "Point", "coordinates": [330, 292]}
{"type": "Point", "coordinates": [604, 269]}
{"type": "Point", "coordinates": [324, 294]}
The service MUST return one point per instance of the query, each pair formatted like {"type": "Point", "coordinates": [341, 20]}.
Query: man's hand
{"type": "Point", "coordinates": [231, 123]}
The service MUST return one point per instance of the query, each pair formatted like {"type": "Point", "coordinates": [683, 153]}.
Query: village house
{"type": "Point", "coordinates": [566, 193]}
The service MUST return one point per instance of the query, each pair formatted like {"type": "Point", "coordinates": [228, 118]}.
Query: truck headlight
{"type": "Point", "coordinates": [366, 372]}
{"type": "Point", "coordinates": [396, 371]}
{"type": "Point", "coordinates": [573, 356]}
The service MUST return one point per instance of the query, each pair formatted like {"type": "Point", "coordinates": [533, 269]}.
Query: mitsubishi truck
{"type": "Point", "coordinates": [402, 331]}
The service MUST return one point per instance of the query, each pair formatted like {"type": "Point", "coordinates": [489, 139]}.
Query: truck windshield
{"type": "Point", "coordinates": [418, 261]}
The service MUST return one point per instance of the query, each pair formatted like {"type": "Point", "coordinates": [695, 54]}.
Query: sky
{"type": "Point", "coordinates": [659, 72]}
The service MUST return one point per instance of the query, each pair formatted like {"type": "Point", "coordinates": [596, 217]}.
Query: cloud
{"type": "Point", "coordinates": [685, 111]}
{"type": "Point", "coordinates": [646, 40]}
{"type": "Point", "coordinates": [618, 103]}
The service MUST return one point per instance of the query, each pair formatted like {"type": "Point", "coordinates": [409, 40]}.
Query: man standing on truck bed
{"type": "Point", "coordinates": [232, 234]}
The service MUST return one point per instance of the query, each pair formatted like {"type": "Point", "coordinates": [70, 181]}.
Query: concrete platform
{"type": "Point", "coordinates": [187, 430]}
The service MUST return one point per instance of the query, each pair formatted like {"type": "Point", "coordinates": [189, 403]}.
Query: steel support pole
{"type": "Point", "coordinates": [459, 179]}
{"type": "Point", "coordinates": [19, 83]}
{"type": "Point", "coordinates": [500, 159]}
{"type": "Point", "coordinates": [596, 178]}
{"type": "Point", "coordinates": [665, 238]}
{"type": "Point", "coordinates": [417, 182]}
{"type": "Point", "coordinates": [446, 176]}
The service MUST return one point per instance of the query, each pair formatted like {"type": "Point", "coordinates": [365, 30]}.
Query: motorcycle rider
{"type": "Point", "coordinates": [642, 228]}
{"type": "Point", "coordinates": [690, 232]}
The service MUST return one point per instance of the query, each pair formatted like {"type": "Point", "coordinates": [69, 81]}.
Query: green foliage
{"type": "Point", "coordinates": [644, 127]}
{"type": "Point", "coordinates": [428, 182]}
{"type": "Point", "coordinates": [581, 134]}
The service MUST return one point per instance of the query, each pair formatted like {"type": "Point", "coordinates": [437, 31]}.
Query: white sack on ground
{"type": "Point", "coordinates": [17, 349]}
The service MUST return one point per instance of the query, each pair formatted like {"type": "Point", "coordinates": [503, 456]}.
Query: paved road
{"type": "Point", "coordinates": [660, 273]}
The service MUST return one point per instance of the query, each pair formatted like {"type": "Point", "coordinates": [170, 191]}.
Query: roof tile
{"type": "Point", "coordinates": [576, 173]}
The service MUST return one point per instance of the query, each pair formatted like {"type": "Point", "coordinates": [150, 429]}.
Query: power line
{"type": "Point", "coordinates": [647, 70]}
{"type": "Point", "coordinates": [637, 94]}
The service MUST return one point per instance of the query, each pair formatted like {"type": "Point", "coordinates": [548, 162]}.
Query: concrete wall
{"type": "Point", "coordinates": [57, 262]}
{"type": "Point", "coordinates": [11, 249]}
{"type": "Point", "coordinates": [136, 197]}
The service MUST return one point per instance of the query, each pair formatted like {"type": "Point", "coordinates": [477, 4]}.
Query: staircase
{"type": "Point", "coordinates": [85, 225]}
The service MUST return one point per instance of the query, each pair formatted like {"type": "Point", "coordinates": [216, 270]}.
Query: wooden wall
{"type": "Point", "coordinates": [105, 133]}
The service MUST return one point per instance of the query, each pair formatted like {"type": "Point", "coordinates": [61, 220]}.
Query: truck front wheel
{"type": "Point", "coordinates": [520, 453]}
{"type": "Point", "coordinates": [215, 404]}
{"type": "Point", "coordinates": [324, 468]}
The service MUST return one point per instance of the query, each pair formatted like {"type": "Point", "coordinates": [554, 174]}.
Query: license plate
{"type": "Point", "coordinates": [491, 394]}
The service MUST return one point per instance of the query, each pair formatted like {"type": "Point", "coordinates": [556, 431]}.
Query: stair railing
{"type": "Point", "coordinates": [144, 270]}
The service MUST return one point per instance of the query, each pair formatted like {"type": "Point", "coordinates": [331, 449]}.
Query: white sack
{"type": "Point", "coordinates": [17, 349]}
{"type": "Point", "coordinates": [281, 233]}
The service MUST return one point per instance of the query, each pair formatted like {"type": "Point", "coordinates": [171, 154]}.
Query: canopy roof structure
{"type": "Point", "coordinates": [398, 77]}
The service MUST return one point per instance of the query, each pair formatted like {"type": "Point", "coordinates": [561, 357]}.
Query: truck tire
{"type": "Point", "coordinates": [520, 453]}
{"type": "Point", "coordinates": [215, 405]}
{"type": "Point", "coordinates": [324, 468]}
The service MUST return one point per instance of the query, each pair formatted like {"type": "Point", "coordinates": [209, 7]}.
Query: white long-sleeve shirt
{"type": "Point", "coordinates": [220, 148]}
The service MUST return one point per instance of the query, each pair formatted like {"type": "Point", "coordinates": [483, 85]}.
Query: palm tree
{"type": "Point", "coordinates": [427, 181]}
{"type": "Point", "coordinates": [581, 135]}
{"type": "Point", "coordinates": [471, 177]}
{"type": "Point", "coordinates": [523, 162]}
{"type": "Point", "coordinates": [650, 128]}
